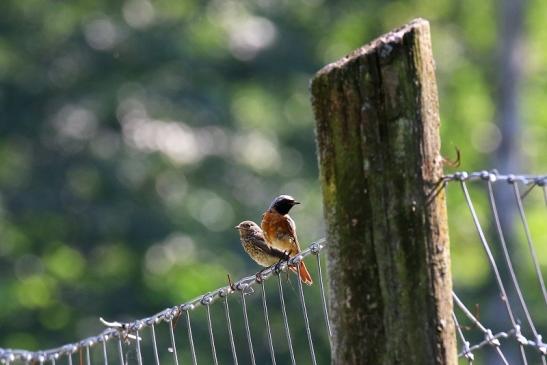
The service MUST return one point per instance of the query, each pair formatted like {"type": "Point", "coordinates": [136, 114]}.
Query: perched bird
{"type": "Point", "coordinates": [253, 242]}
{"type": "Point", "coordinates": [280, 231]}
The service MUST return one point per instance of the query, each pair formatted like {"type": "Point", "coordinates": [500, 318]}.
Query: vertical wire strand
{"type": "Point", "coordinates": [545, 194]}
{"type": "Point", "coordinates": [53, 361]}
{"type": "Point", "coordinates": [190, 337]}
{"type": "Point", "coordinates": [323, 297]}
{"type": "Point", "coordinates": [305, 314]}
{"type": "Point", "coordinates": [120, 349]}
{"type": "Point", "coordinates": [266, 318]}
{"type": "Point", "coordinates": [486, 247]}
{"type": "Point", "coordinates": [466, 352]}
{"type": "Point", "coordinates": [509, 264]}
{"type": "Point", "coordinates": [211, 336]}
{"type": "Point", "coordinates": [247, 329]}
{"type": "Point", "coordinates": [529, 240]}
{"type": "Point", "coordinates": [70, 359]}
{"type": "Point", "coordinates": [105, 355]}
{"type": "Point", "coordinates": [155, 344]}
{"type": "Point", "coordinates": [87, 355]}
{"type": "Point", "coordinates": [173, 344]}
{"type": "Point", "coordinates": [138, 344]}
{"type": "Point", "coordinates": [229, 325]}
{"type": "Point", "coordinates": [490, 256]}
{"type": "Point", "coordinates": [285, 319]}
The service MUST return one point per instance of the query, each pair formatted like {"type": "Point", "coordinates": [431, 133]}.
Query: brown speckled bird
{"type": "Point", "coordinates": [280, 231]}
{"type": "Point", "coordinates": [253, 242]}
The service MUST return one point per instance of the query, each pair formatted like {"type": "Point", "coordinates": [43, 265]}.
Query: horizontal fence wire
{"type": "Point", "coordinates": [127, 336]}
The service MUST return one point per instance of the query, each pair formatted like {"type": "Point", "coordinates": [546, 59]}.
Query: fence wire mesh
{"type": "Point", "coordinates": [140, 342]}
{"type": "Point", "coordinates": [158, 340]}
{"type": "Point", "coordinates": [531, 348]}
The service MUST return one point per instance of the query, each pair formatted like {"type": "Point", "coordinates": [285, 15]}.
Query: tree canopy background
{"type": "Point", "coordinates": [134, 135]}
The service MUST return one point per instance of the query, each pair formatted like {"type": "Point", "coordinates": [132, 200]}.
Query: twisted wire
{"type": "Point", "coordinates": [488, 336]}
{"type": "Point", "coordinates": [165, 315]}
{"type": "Point", "coordinates": [466, 352]}
{"type": "Point", "coordinates": [8, 356]}
{"type": "Point", "coordinates": [515, 333]}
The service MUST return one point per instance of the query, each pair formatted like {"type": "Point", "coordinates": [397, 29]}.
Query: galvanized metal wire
{"type": "Point", "coordinates": [267, 320]}
{"type": "Point", "coordinates": [230, 332]}
{"type": "Point", "coordinates": [285, 319]}
{"type": "Point", "coordinates": [514, 333]}
{"type": "Point", "coordinates": [127, 333]}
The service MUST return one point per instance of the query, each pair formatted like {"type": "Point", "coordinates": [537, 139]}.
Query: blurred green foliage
{"type": "Point", "coordinates": [134, 135]}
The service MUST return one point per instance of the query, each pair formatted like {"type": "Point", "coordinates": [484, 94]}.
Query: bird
{"type": "Point", "coordinates": [253, 242]}
{"type": "Point", "coordinates": [280, 231]}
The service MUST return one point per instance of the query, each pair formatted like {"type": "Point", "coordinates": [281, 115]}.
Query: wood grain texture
{"type": "Point", "coordinates": [377, 129]}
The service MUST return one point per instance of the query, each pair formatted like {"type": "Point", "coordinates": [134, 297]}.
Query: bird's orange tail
{"type": "Point", "coordinates": [305, 274]}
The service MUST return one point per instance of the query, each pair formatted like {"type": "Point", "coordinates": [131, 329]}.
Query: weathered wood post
{"type": "Point", "coordinates": [388, 255]}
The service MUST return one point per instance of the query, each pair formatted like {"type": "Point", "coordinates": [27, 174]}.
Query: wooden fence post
{"type": "Point", "coordinates": [388, 256]}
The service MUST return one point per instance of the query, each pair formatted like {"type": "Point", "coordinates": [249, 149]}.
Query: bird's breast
{"type": "Point", "coordinates": [277, 232]}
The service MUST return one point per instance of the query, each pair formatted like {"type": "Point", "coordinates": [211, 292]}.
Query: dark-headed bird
{"type": "Point", "coordinates": [280, 231]}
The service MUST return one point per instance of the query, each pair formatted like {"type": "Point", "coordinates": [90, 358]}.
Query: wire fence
{"type": "Point", "coordinates": [534, 341]}
{"type": "Point", "coordinates": [141, 342]}
{"type": "Point", "coordinates": [124, 343]}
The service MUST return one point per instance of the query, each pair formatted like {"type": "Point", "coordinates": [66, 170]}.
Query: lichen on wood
{"type": "Point", "coordinates": [377, 129]}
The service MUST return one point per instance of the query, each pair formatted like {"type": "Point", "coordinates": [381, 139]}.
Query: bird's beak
{"type": "Point", "coordinates": [237, 227]}
{"type": "Point", "coordinates": [296, 203]}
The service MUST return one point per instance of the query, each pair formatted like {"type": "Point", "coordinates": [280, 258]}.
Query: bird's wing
{"type": "Point", "coordinates": [291, 228]}
{"type": "Point", "coordinates": [263, 246]}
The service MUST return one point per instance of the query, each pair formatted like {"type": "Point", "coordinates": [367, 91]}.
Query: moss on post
{"type": "Point", "coordinates": [388, 257]}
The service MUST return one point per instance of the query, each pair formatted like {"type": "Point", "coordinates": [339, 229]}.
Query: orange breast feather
{"type": "Point", "coordinates": [279, 232]}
